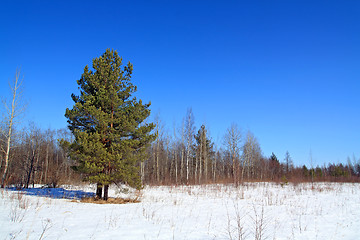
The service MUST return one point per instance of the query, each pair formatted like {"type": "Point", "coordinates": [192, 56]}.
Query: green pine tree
{"type": "Point", "coordinates": [108, 125]}
{"type": "Point", "coordinates": [203, 154]}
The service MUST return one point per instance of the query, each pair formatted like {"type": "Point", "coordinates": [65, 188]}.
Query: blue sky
{"type": "Point", "coordinates": [286, 70]}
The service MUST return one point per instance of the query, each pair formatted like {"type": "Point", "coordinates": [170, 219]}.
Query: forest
{"type": "Point", "coordinates": [110, 140]}
{"type": "Point", "coordinates": [188, 156]}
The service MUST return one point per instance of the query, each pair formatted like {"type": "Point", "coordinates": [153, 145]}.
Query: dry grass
{"type": "Point", "coordinates": [110, 200]}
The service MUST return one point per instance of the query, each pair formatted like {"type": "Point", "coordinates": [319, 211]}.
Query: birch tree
{"type": "Point", "coordinates": [251, 156]}
{"type": "Point", "coordinates": [189, 136]}
{"type": "Point", "coordinates": [11, 114]}
{"type": "Point", "coordinates": [156, 147]}
{"type": "Point", "coordinates": [232, 140]}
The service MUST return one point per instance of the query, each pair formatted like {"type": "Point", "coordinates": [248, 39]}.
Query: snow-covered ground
{"type": "Point", "coordinates": [250, 211]}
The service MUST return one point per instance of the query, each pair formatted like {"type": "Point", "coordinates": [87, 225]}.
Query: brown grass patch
{"type": "Point", "coordinates": [110, 200]}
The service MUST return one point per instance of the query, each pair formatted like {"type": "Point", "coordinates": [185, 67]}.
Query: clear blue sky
{"type": "Point", "coordinates": [289, 71]}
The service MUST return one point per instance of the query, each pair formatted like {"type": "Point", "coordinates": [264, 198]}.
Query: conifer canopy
{"type": "Point", "coordinates": [107, 122]}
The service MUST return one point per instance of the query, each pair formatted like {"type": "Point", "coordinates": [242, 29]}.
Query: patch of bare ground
{"type": "Point", "coordinates": [110, 200]}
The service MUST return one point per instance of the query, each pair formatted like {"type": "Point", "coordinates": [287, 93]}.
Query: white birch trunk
{"type": "Point", "coordinates": [13, 112]}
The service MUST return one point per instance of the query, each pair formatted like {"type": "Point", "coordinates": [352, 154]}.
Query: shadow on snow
{"type": "Point", "coordinates": [56, 193]}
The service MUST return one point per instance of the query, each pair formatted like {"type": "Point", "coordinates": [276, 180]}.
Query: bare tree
{"type": "Point", "coordinates": [232, 141]}
{"type": "Point", "coordinates": [159, 140]}
{"type": "Point", "coordinates": [175, 161]}
{"type": "Point", "coordinates": [33, 141]}
{"type": "Point", "coordinates": [182, 150]}
{"type": "Point", "coordinates": [288, 162]}
{"type": "Point", "coordinates": [251, 156]}
{"type": "Point", "coordinates": [312, 167]}
{"type": "Point", "coordinates": [10, 116]}
{"type": "Point", "coordinates": [189, 136]}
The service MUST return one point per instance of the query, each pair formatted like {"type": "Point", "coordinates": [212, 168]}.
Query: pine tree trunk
{"type": "Point", "coordinates": [99, 191]}
{"type": "Point", "coordinates": [106, 192]}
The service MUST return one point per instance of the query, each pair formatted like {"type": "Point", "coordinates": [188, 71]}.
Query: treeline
{"type": "Point", "coordinates": [37, 158]}
{"type": "Point", "coordinates": [185, 155]}
{"type": "Point", "coordinates": [189, 156]}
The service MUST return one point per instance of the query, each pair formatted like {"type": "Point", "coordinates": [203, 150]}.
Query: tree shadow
{"type": "Point", "coordinates": [56, 193]}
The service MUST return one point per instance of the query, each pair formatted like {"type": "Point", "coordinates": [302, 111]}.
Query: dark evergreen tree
{"type": "Point", "coordinates": [203, 154]}
{"type": "Point", "coordinates": [108, 124]}
{"type": "Point", "coordinates": [274, 166]}
{"type": "Point", "coordinates": [273, 158]}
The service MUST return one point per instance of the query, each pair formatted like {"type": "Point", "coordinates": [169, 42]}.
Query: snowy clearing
{"type": "Point", "coordinates": [250, 211]}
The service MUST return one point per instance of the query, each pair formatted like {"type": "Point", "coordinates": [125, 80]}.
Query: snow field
{"type": "Point", "coordinates": [250, 211]}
